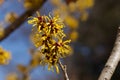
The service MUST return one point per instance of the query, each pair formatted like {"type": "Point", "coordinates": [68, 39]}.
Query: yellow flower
{"type": "Point", "coordinates": [71, 22]}
{"type": "Point", "coordinates": [84, 4]}
{"type": "Point", "coordinates": [1, 30]}
{"type": "Point", "coordinates": [39, 23]}
{"type": "Point", "coordinates": [28, 4]}
{"type": "Point", "coordinates": [11, 17]}
{"type": "Point", "coordinates": [64, 49]}
{"type": "Point", "coordinates": [72, 6]}
{"type": "Point", "coordinates": [55, 25]}
{"type": "Point", "coordinates": [33, 21]}
{"type": "Point", "coordinates": [84, 16]}
{"type": "Point", "coordinates": [47, 35]}
{"type": "Point", "coordinates": [90, 3]}
{"type": "Point", "coordinates": [4, 56]}
{"type": "Point", "coordinates": [12, 76]}
{"type": "Point", "coordinates": [37, 58]}
{"type": "Point", "coordinates": [55, 2]}
{"type": "Point", "coordinates": [74, 35]}
{"type": "Point", "coordinates": [22, 68]}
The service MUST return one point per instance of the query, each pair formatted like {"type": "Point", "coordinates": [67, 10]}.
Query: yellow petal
{"type": "Point", "coordinates": [57, 69]}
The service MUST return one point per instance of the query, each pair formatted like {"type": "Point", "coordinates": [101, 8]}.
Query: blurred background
{"type": "Point", "coordinates": [90, 24]}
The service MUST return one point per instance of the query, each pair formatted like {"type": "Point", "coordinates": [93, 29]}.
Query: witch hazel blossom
{"type": "Point", "coordinates": [47, 35]}
{"type": "Point", "coordinates": [4, 56]}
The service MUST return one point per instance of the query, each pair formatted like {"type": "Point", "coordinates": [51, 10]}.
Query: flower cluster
{"type": "Point", "coordinates": [4, 56]}
{"type": "Point", "coordinates": [47, 35]}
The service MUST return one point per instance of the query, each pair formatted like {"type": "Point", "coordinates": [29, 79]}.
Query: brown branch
{"type": "Point", "coordinates": [64, 69]}
{"type": "Point", "coordinates": [113, 60]}
{"type": "Point", "coordinates": [20, 20]}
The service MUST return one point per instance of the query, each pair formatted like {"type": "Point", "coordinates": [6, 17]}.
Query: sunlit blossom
{"type": "Point", "coordinates": [47, 35]}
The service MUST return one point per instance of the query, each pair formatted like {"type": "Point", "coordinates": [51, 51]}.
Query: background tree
{"type": "Point", "coordinates": [92, 29]}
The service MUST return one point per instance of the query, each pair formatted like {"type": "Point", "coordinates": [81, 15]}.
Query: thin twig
{"type": "Point", "coordinates": [16, 24]}
{"type": "Point", "coordinates": [64, 69]}
{"type": "Point", "coordinates": [113, 60]}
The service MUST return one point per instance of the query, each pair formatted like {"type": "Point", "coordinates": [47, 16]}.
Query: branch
{"type": "Point", "coordinates": [20, 20]}
{"type": "Point", "coordinates": [113, 60]}
{"type": "Point", "coordinates": [63, 67]}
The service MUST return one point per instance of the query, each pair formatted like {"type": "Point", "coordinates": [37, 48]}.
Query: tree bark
{"type": "Point", "coordinates": [113, 60]}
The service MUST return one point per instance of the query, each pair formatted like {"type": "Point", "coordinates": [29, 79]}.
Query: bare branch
{"type": "Point", "coordinates": [113, 60]}
{"type": "Point", "coordinates": [20, 20]}
{"type": "Point", "coordinates": [64, 69]}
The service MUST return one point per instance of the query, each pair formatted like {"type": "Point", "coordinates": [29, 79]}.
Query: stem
{"type": "Point", "coordinates": [113, 60]}
{"type": "Point", "coordinates": [64, 69]}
